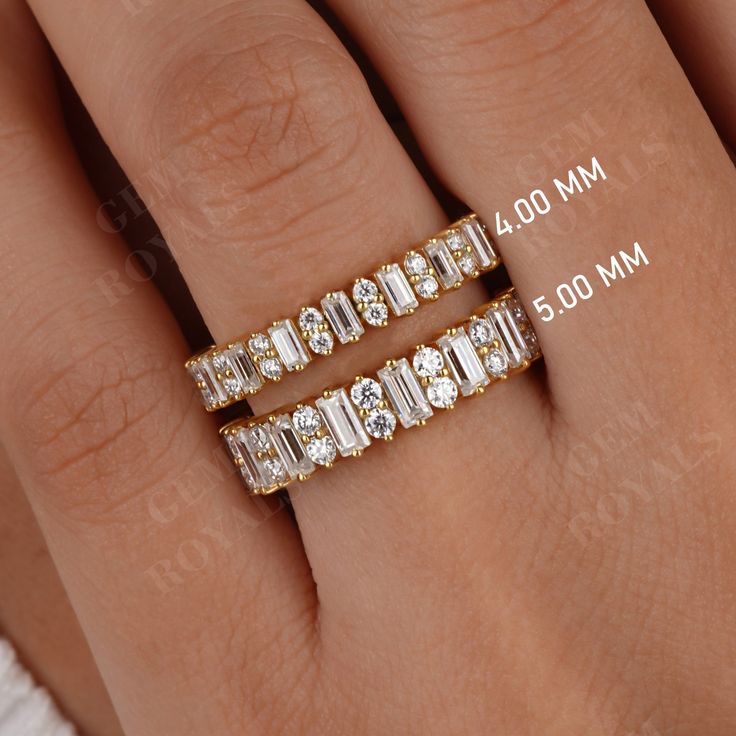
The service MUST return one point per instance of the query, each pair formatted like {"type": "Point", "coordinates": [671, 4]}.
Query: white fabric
{"type": "Point", "coordinates": [25, 708]}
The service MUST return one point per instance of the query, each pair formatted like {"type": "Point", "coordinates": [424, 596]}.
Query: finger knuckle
{"type": "Point", "coordinates": [482, 38]}
{"type": "Point", "coordinates": [96, 426]}
{"type": "Point", "coordinates": [249, 124]}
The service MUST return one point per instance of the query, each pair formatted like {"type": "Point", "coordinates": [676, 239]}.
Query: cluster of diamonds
{"type": "Point", "coordinates": [286, 446]}
{"type": "Point", "coordinates": [226, 374]}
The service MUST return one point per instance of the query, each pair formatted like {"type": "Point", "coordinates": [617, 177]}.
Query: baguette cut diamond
{"type": "Point", "coordinates": [343, 422]}
{"type": "Point", "coordinates": [443, 264]}
{"type": "Point", "coordinates": [512, 341]}
{"type": "Point", "coordinates": [290, 448]}
{"type": "Point", "coordinates": [205, 374]}
{"type": "Point", "coordinates": [243, 369]}
{"type": "Point", "coordinates": [246, 456]}
{"type": "Point", "coordinates": [405, 393]}
{"type": "Point", "coordinates": [477, 238]}
{"type": "Point", "coordinates": [463, 361]}
{"type": "Point", "coordinates": [289, 345]}
{"type": "Point", "coordinates": [342, 317]}
{"type": "Point", "coordinates": [396, 289]}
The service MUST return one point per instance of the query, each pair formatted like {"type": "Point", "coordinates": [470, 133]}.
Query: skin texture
{"type": "Point", "coordinates": [571, 569]}
{"type": "Point", "coordinates": [35, 613]}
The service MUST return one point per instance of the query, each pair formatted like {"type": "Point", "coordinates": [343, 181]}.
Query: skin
{"type": "Point", "coordinates": [557, 557]}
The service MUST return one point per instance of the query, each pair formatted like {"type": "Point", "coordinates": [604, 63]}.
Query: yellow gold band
{"type": "Point", "coordinates": [225, 374]}
{"type": "Point", "coordinates": [290, 444]}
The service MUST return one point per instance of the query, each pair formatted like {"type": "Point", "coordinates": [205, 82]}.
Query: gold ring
{"type": "Point", "coordinates": [290, 444]}
{"type": "Point", "coordinates": [225, 374]}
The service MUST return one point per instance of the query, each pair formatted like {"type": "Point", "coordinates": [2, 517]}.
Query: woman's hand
{"type": "Point", "coordinates": [557, 558]}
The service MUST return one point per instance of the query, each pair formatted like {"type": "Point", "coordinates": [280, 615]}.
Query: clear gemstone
{"type": "Point", "coordinates": [204, 373]}
{"type": "Point", "coordinates": [342, 316]}
{"type": "Point", "coordinates": [243, 369]}
{"type": "Point", "coordinates": [480, 243]}
{"type": "Point", "coordinates": [232, 386]}
{"type": "Point", "coordinates": [443, 263]}
{"type": "Point", "coordinates": [496, 363]}
{"type": "Point", "coordinates": [376, 314]}
{"type": "Point", "coordinates": [463, 361]}
{"type": "Point", "coordinates": [306, 420]}
{"type": "Point", "coordinates": [343, 422]}
{"type": "Point", "coordinates": [366, 393]}
{"type": "Point", "coordinates": [322, 343]}
{"type": "Point", "coordinates": [428, 362]}
{"type": "Point", "coordinates": [380, 423]}
{"type": "Point", "coordinates": [481, 332]}
{"type": "Point", "coordinates": [454, 240]}
{"type": "Point", "coordinates": [260, 438]}
{"type": "Point", "coordinates": [427, 287]}
{"type": "Point", "coordinates": [259, 344]}
{"type": "Point", "coordinates": [310, 319]}
{"type": "Point", "coordinates": [396, 289]}
{"type": "Point", "coordinates": [530, 338]}
{"type": "Point", "coordinates": [442, 393]}
{"type": "Point", "coordinates": [467, 264]}
{"type": "Point", "coordinates": [271, 368]}
{"type": "Point", "coordinates": [517, 311]}
{"type": "Point", "coordinates": [321, 450]}
{"type": "Point", "coordinates": [405, 393]}
{"type": "Point", "coordinates": [509, 334]}
{"type": "Point", "coordinates": [415, 264]}
{"type": "Point", "coordinates": [290, 448]}
{"type": "Point", "coordinates": [364, 291]}
{"type": "Point", "coordinates": [289, 345]}
{"type": "Point", "coordinates": [245, 453]}
{"type": "Point", "coordinates": [274, 469]}
{"type": "Point", "coordinates": [220, 363]}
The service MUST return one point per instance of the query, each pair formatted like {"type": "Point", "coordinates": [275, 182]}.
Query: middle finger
{"type": "Point", "coordinates": [293, 184]}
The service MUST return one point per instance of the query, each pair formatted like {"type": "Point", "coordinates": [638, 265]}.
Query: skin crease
{"type": "Point", "coordinates": [36, 615]}
{"type": "Point", "coordinates": [588, 590]}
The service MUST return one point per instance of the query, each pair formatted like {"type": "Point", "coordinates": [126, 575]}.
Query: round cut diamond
{"type": "Point", "coordinates": [306, 420]}
{"type": "Point", "coordinates": [259, 344]}
{"type": "Point", "coordinates": [531, 340]}
{"type": "Point", "coordinates": [219, 362]}
{"type": "Point", "coordinates": [427, 287]}
{"type": "Point", "coordinates": [455, 240]}
{"type": "Point", "coordinates": [321, 450]}
{"type": "Point", "coordinates": [428, 362]}
{"type": "Point", "coordinates": [260, 438]}
{"type": "Point", "coordinates": [442, 393]}
{"type": "Point", "coordinates": [481, 332]}
{"type": "Point", "coordinates": [467, 264]}
{"type": "Point", "coordinates": [322, 343]}
{"type": "Point", "coordinates": [366, 393]}
{"type": "Point", "coordinates": [376, 314]}
{"type": "Point", "coordinates": [275, 469]}
{"type": "Point", "coordinates": [364, 291]}
{"type": "Point", "coordinates": [518, 311]}
{"type": "Point", "coordinates": [232, 386]}
{"type": "Point", "coordinates": [496, 363]}
{"type": "Point", "coordinates": [271, 368]}
{"type": "Point", "coordinates": [310, 318]}
{"type": "Point", "coordinates": [415, 264]}
{"type": "Point", "coordinates": [380, 423]}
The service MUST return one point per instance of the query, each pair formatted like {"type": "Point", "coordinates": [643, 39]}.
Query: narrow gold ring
{"type": "Point", "coordinates": [225, 374]}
